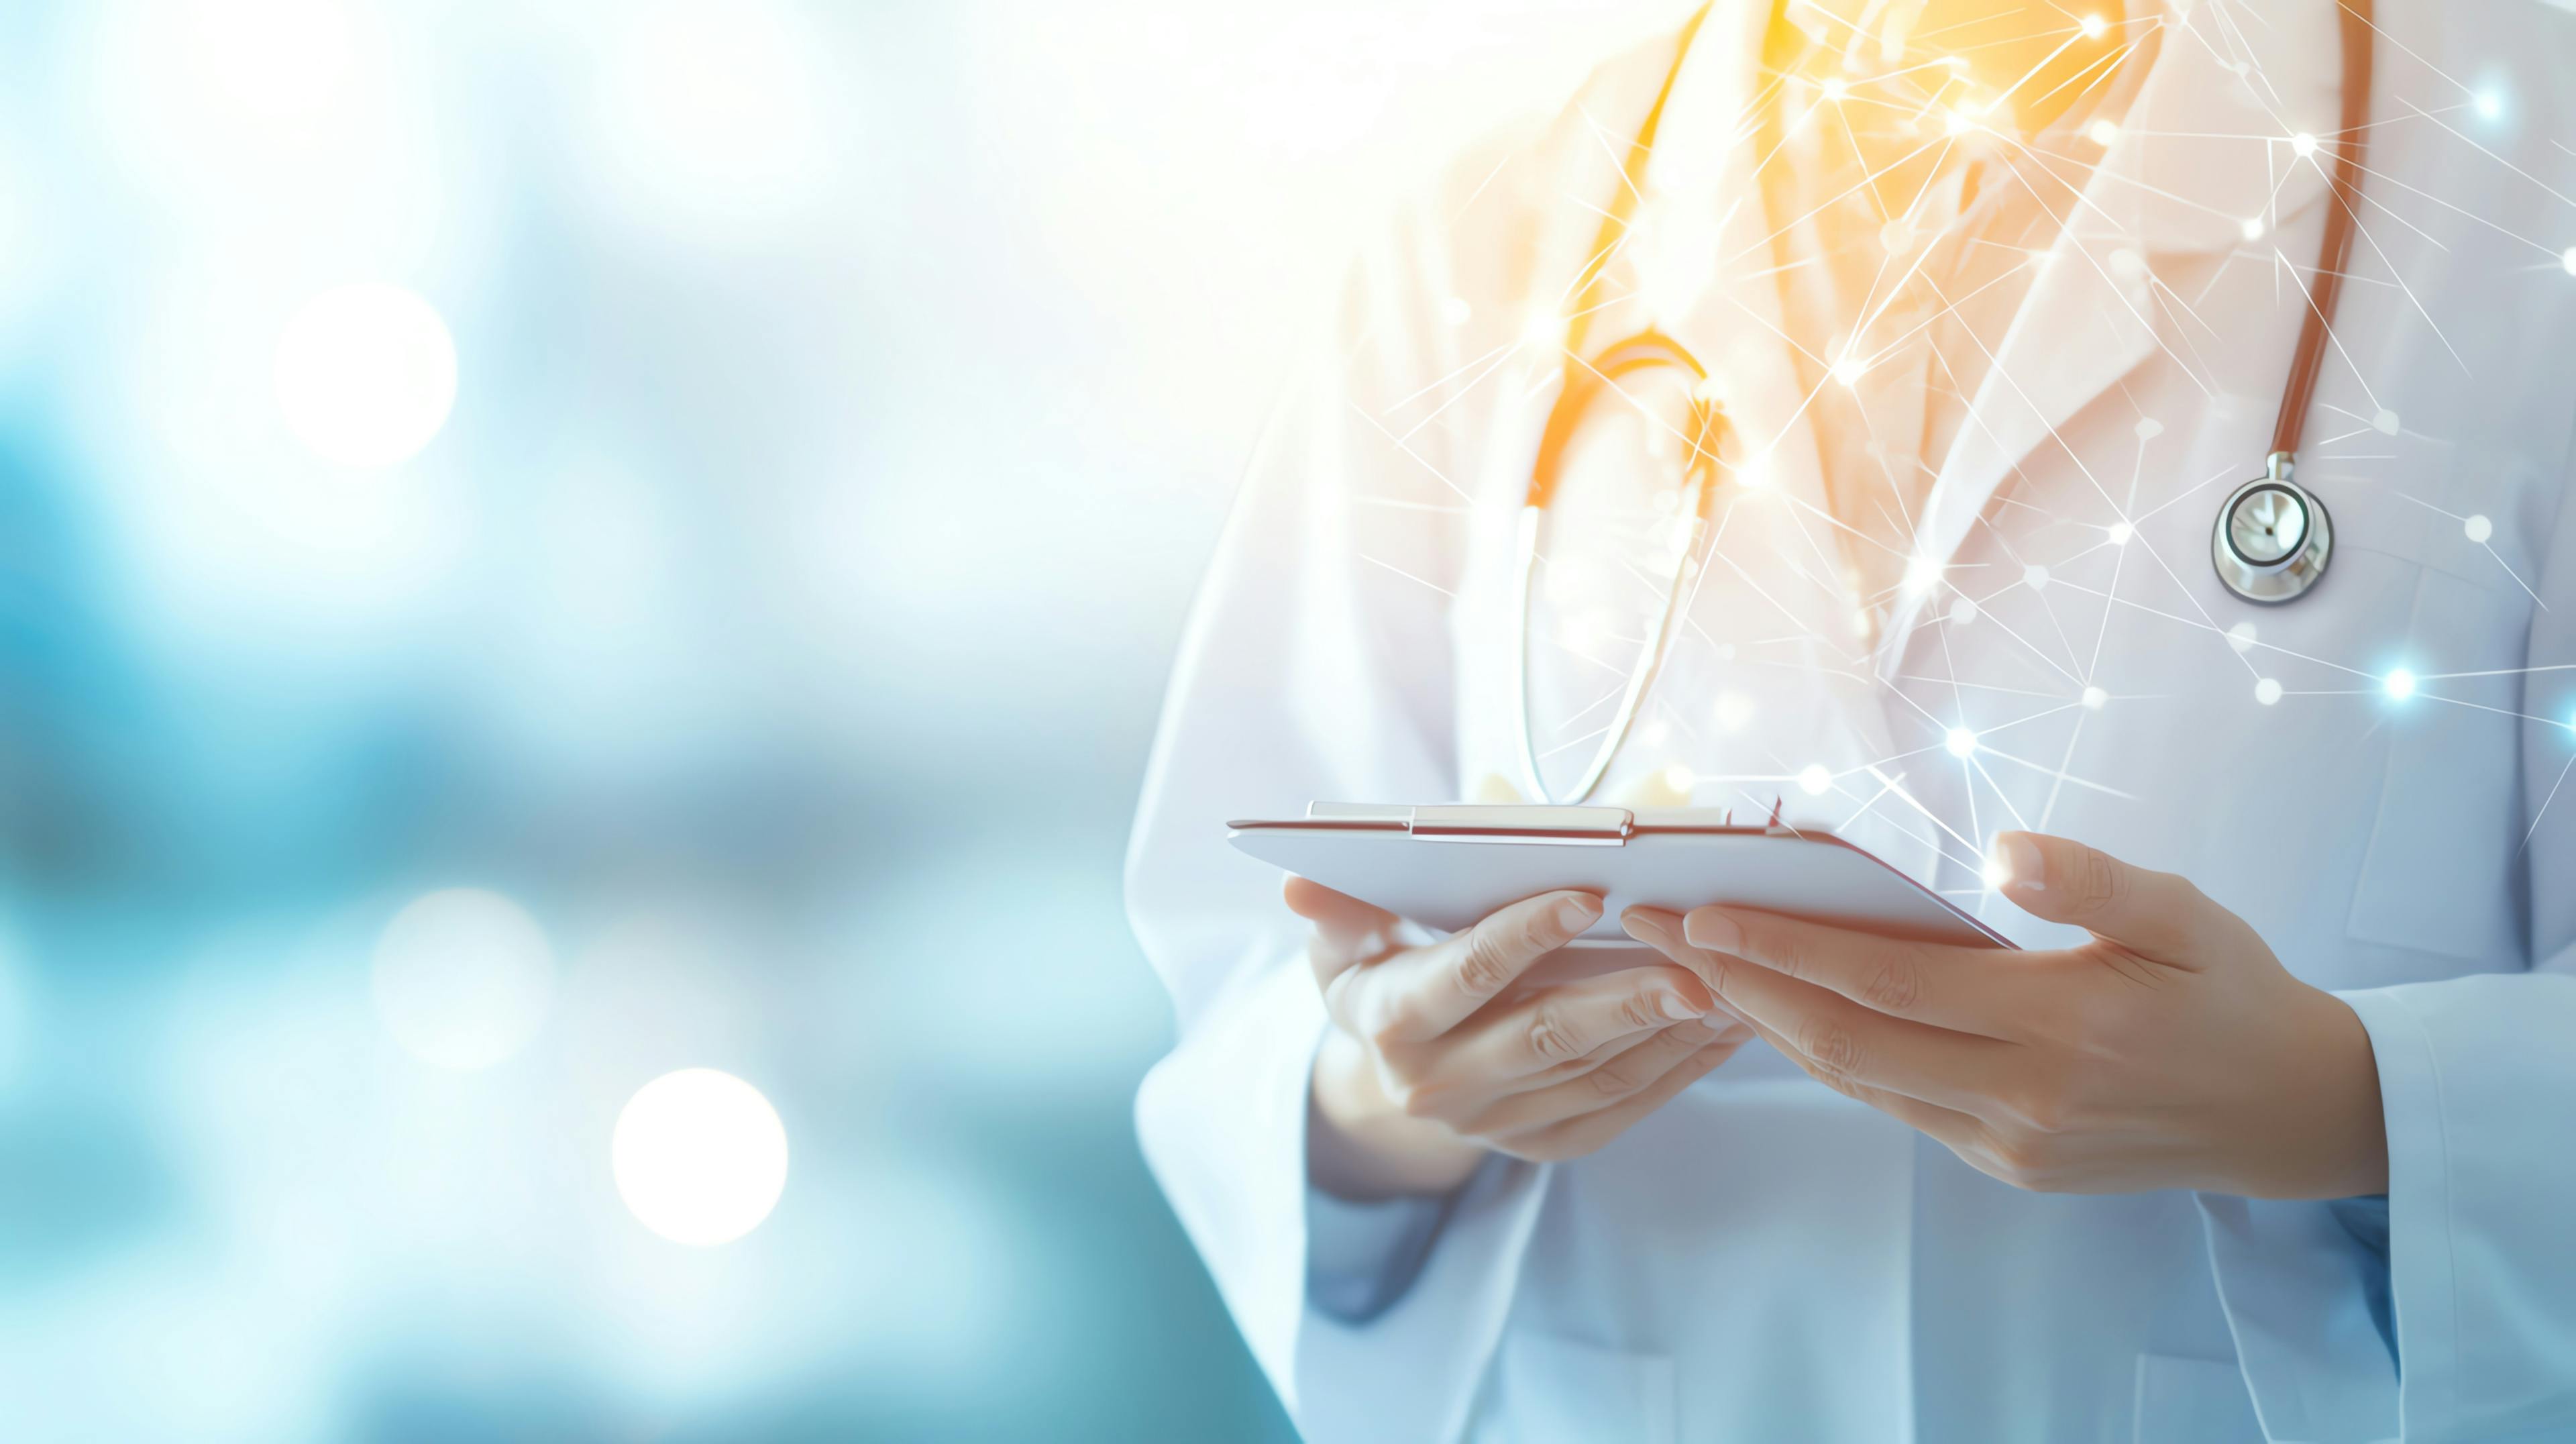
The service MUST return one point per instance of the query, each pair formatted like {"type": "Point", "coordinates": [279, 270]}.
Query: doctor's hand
{"type": "Point", "coordinates": [1436, 1057]}
{"type": "Point", "coordinates": [2171, 1051]}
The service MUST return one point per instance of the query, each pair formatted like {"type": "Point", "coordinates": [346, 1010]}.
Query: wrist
{"type": "Point", "coordinates": [1360, 1145]}
{"type": "Point", "coordinates": [2338, 1138]}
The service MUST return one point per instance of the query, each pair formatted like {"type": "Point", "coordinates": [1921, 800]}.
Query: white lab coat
{"type": "Point", "coordinates": [1764, 1259]}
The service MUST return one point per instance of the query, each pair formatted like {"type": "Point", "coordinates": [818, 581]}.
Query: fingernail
{"type": "Point", "coordinates": [1678, 1008]}
{"type": "Point", "coordinates": [1708, 928]}
{"type": "Point", "coordinates": [1577, 912]}
{"type": "Point", "coordinates": [2025, 870]}
{"type": "Point", "coordinates": [1648, 927]}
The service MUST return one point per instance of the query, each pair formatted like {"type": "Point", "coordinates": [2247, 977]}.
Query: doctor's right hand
{"type": "Point", "coordinates": [1436, 1059]}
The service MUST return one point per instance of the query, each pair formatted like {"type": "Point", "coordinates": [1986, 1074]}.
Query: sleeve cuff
{"type": "Point", "coordinates": [1222, 1121]}
{"type": "Point", "coordinates": [1362, 1256]}
{"type": "Point", "coordinates": [2471, 1286]}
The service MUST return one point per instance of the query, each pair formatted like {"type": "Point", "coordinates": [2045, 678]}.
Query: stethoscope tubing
{"type": "Point", "coordinates": [1582, 380]}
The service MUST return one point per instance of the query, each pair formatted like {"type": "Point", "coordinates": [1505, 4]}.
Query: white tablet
{"type": "Point", "coordinates": [1447, 867]}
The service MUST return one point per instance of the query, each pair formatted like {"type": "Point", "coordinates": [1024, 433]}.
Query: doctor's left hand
{"type": "Point", "coordinates": [2172, 1050]}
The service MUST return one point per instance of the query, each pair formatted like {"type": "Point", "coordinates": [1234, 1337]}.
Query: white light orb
{"type": "Point", "coordinates": [2149, 428]}
{"type": "Point", "coordinates": [1850, 369]}
{"type": "Point", "coordinates": [1996, 873]}
{"type": "Point", "coordinates": [1456, 311]}
{"type": "Point", "coordinates": [2035, 577]}
{"type": "Point", "coordinates": [2241, 637]}
{"type": "Point", "coordinates": [2489, 103]}
{"type": "Point", "coordinates": [462, 978]}
{"type": "Point", "coordinates": [2120, 532]}
{"type": "Point", "coordinates": [2253, 228]}
{"type": "Point", "coordinates": [2399, 684]}
{"type": "Point", "coordinates": [1962, 612]}
{"type": "Point", "coordinates": [1679, 778]}
{"type": "Point", "coordinates": [2567, 259]}
{"type": "Point", "coordinates": [365, 374]}
{"type": "Point", "coordinates": [2093, 26]}
{"type": "Point", "coordinates": [700, 1156]}
{"type": "Point", "coordinates": [1815, 780]}
{"type": "Point", "coordinates": [2094, 697]}
{"type": "Point", "coordinates": [1961, 742]}
{"type": "Point", "coordinates": [1922, 574]}
{"type": "Point", "coordinates": [1734, 709]}
{"type": "Point", "coordinates": [1835, 87]}
{"type": "Point", "coordinates": [2478, 529]}
{"type": "Point", "coordinates": [2384, 422]}
{"type": "Point", "coordinates": [2267, 691]}
{"type": "Point", "coordinates": [2102, 133]}
{"type": "Point", "coordinates": [2127, 265]}
{"type": "Point", "coordinates": [2303, 145]}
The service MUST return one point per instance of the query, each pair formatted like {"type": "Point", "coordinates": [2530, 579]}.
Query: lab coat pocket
{"type": "Point", "coordinates": [1548, 1389]}
{"type": "Point", "coordinates": [2193, 1401]}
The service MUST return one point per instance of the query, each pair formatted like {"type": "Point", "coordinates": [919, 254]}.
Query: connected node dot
{"type": "Point", "coordinates": [2568, 260]}
{"type": "Point", "coordinates": [2102, 133]}
{"type": "Point", "coordinates": [2241, 636]}
{"type": "Point", "coordinates": [2399, 684]}
{"type": "Point", "coordinates": [1962, 612]}
{"type": "Point", "coordinates": [2034, 576]}
{"type": "Point", "coordinates": [2149, 428]}
{"type": "Point", "coordinates": [1835, 87]}
{"type": "Point", "coordinates": [2094, 697]}
{"type": "Point", "coordinates": [2127, 265]}
{"type": "Point", "coordinates": [2253, 228]}
{"type": "Point", "coordinates": [2489, 103]}
{"type": "Point", "coordinates": [2093, 26]}
{"type": "Point", "coordinates": [1849, 370]}
{"type": "Point", "coordinates": [1961, 742]}
{"type": "Point", "coordinates": [2303, 144]}
{"type": "Point", "coordinates": [1734, 709]}
{"type": "Point", "coordinates": [2385, 423]}
{"type": "Point", "coordinates": [2478, 529]}
{"type": "Point", "coordinates": [1922, 574]}
{"type": "Point", "coordinates": [2120, 532]}
{"type": "Point", "coordinates": [2267, 691]}
{"type": "Point", "coordinates": [1956, 122]}
{"type": "Point", "coordinates": [1815, 780]}
{"type": "Point", "coordinates": [1456, 311]}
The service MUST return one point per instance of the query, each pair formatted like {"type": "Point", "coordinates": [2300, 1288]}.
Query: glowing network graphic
{"type": "Point", "coordinates": [1898, 112]}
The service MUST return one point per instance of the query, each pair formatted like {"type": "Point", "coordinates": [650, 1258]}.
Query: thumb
{"type": "Point", "coordinates": [2156, 914]}
{"type": "Point", "coordinates": [1347, 930]}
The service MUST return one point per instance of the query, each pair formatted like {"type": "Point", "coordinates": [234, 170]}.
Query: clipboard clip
{"type": "Point", "coordinates": [1485, 822]}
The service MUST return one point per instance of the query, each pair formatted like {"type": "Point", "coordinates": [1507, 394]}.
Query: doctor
{"type": "Point", "coordinates": [2272, 1131]}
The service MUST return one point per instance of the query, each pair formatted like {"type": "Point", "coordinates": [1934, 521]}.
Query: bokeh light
{"type": "Point", "coordinates": [700, 1156]}
{"type": "Point", "coordinates": [463, 978]}
{"type": "Point", "coordinates": [365, 374]}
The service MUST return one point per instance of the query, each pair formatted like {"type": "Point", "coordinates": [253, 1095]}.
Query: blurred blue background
{"type": "Point", "coordinates": [723, 482]}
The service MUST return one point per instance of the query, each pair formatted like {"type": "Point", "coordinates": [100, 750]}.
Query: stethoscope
{"type": "Point", "coordinates": [2270, 545]}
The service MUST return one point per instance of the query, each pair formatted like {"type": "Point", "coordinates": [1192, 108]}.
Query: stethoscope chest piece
{"type": "Point", "coordinates": [2273, 538]}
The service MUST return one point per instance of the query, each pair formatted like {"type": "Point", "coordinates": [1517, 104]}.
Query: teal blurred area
{"type": "Point", "coordinates": [721, 483]}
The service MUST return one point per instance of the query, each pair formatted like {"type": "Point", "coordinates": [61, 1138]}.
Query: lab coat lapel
{"type": "Point", "coordinates": [2181, 177]}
